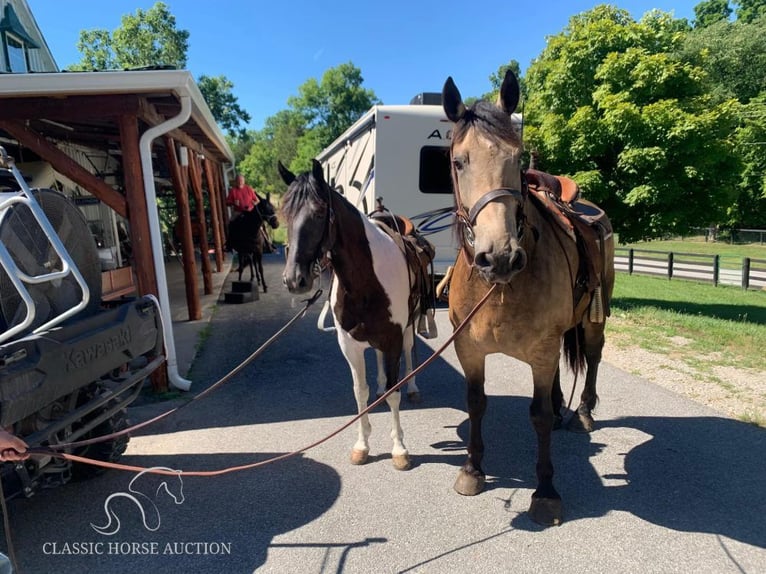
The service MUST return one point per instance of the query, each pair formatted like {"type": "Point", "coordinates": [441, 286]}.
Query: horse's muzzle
{"type": "Point", "coordinates": [298, 282]}
{"type": "Point", "coordinates": [500, 267]}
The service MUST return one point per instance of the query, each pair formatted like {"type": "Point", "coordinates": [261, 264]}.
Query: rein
{"type": "Point", "coordinates": [50, 449]}
{"type": "Point", "coordinates": [228, 470]}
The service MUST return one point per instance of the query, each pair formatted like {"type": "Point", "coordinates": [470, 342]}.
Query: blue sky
{"type": "Point", "coordinates": [268, 49]}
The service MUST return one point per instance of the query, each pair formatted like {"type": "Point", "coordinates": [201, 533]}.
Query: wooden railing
{"type": "Point", "coordinates": [747, 273]}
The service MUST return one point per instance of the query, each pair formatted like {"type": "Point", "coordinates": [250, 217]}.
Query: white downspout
{"type": "Point", "coordinates": [155, 233]}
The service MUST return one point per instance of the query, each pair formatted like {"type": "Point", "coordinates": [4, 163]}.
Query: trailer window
{"type": "Point", "coordinates": [434, 170]}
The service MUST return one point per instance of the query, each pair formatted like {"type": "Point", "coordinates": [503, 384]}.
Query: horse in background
{"type": "Point", "coordinates": [247, 238]}
{"type": "Point", "coordinates": [552, 274]}
{"type": "Point", "coordinates": [373, 297]}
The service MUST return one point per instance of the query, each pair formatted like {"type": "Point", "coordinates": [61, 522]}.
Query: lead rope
{"type": "Point", "coordinates": [207, 391]}
{"type": "Point", "coordinates": [277, 458]}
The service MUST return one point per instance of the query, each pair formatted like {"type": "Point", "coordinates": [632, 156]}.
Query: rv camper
{"type": "Point", "coordinates": [400, 154]}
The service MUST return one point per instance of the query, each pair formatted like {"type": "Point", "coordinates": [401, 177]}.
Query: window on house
{"type": "Point", "coordinates": [17, 56]}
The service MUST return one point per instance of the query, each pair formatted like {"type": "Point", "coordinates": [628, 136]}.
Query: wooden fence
{"type": "Point", "coordinates": [747, 272]}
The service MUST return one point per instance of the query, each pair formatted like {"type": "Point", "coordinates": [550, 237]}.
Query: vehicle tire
{"type": "Point", "coordinates": [107, 451]}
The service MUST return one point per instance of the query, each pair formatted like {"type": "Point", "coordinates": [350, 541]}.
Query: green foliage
{"type": "Point", "coordinates": [610, 104]}
{"type": "Point", "coordinates": [334, 103]}
{"type": "Point", "coordinates": [711, 12]}
{"type": "Point", "coordinates": [732, 55]}
{"type": "Point", "coordinates": [146, 38]}
{"type": "Point", "coordinates": [749, 210]}
{"type": "Point", "coordinates": [278, 140]}
{"type": "Point", "coordinates": [150, 38]}
{"type": "Point", "coordinates": [496, 81]}
{"type": "Point", "coordinates": [320, 113]}
{"type": "Point", "coordinates": [750, 10]}
{"type": "Point", "coordinates": [223, 104]}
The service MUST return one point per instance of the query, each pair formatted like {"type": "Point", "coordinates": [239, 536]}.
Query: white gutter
{"type": "Point", "coordinates": [155, 234]}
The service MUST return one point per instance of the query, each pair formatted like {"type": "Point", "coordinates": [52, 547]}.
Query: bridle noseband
{"type": "Point", "coordinates": [467, 219]}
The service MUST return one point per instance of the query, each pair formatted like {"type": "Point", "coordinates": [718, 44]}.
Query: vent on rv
{"type": "Point", "coordinates": [427, 99]}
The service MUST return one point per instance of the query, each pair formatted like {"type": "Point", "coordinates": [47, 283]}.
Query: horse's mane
{"type": "Point", "coordinates": [304, 188]}
{"type": "Point", "coordinates": [489, 120]}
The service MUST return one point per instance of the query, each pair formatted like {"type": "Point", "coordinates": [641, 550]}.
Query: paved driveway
{"type": "Point", "coordinates": [662, 485]}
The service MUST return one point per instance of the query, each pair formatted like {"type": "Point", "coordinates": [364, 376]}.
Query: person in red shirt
{"type": "Point", "coordinates": [241, 196]}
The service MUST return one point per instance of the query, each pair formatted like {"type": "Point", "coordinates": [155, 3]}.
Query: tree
{"type": "Point", "coordinates": [150, 39]}
{"type": "Point", "coordinates": [328, 108]}
{"type": "Point", "coordinates": [710, 12]}
{"type": "Point", "coordinates": [223, 104]}
{"type": "Point", "coordinates": [609, 104]}
{"type": "Point", "coordinates": [732, 55]}
{"type": "Point", "coordinates": [278, 140]}
{"type": "Point", "coordinates": [496, 81]}
{"type": "Point", "coordinates": [750, 10]}
{"type": "Point", "coordinates": [146, 38]}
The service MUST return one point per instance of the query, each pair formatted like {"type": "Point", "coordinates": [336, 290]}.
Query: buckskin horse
{"type": "Point", "coordinates": [553, 275]}
{"type": "Point", "coordinates": [374, 297]}
{"type": "Point", "coordinates": [247, 238]}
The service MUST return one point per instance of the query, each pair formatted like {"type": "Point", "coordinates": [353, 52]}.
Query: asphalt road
{"type": "Point", "coordinates": [663, 484]}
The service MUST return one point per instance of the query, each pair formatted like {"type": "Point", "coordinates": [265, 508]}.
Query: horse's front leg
{"type": "Point", "coordinates": [546, 502]}
{"type": "Point", "coordinates": [399, 455]}
{"type": "Point", "coordinates": [353, 351]}
{"type": "Point", "coordinates": [593, 345]}
{"type": "Point", "coordinates": [471, 478]}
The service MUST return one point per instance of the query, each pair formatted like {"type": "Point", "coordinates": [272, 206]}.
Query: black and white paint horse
{"type": "Point", "coordinates": [246, 237]}
{"type": "Point", "coordinates": [371, 291]}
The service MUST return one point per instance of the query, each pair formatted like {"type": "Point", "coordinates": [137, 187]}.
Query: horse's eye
{"type": "Point", "coordinates": [458, 163]}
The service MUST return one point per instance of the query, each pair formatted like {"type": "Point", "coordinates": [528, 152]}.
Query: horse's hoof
{"type": "Point", "coordinates": [414, 397]}
{"type": "Point", "coordinates": [359, 456]}
{"type": "Point", "coordinates": [401, 461]}
{"type": "Point", "coordinates": [546, 511]}
{"type": "Point", "coordinates": [581, 423]}
{"type": "Point", "coordinates": [469, 484]}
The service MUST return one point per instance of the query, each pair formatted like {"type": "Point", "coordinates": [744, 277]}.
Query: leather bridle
{"type": "Point", "coordinates": [467, 218]}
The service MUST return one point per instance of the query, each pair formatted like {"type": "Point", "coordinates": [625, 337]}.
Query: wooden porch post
{"type": "Point", "coordinates": [193, 303]}
{"type": "Point", "coordinates": [196, 181]}
{"type": "Point", "coordinates": [135, 196]}
{"type": "Point", "coordinates": [215, 218]}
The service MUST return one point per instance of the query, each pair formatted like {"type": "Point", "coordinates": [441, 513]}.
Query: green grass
{"type": "Point", "coordinates": [718, 325]}
{"type": "Point", "coordinates": [752, 250]}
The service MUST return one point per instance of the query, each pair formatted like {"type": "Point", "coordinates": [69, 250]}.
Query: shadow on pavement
{"type": "Point", "coordinates": [217, 527]}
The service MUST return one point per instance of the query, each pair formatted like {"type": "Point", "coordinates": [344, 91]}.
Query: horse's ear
{"type": "Point", "coordinates": [508, 98]}
{"type": "Point", "coordinates": [452, 101]}
{"type": "Point", "coordinates": [287, 176]}
{"type": "Point", "coordinates": [316, 170]}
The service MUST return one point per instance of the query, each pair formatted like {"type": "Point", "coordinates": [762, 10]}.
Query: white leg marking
{"type": "Point", "coordinates": [354, 353]}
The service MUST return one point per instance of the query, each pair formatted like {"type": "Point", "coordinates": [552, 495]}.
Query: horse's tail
{"type": "Point", "coordinates": [574, 350]}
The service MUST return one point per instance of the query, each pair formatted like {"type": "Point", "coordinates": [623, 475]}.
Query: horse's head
{"type": "Point", "coordinates": [267, 211]}
{"type": "Point", "coordinates": [486, 174]}
{"type": "Point", "coordinates": [307, 211]}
